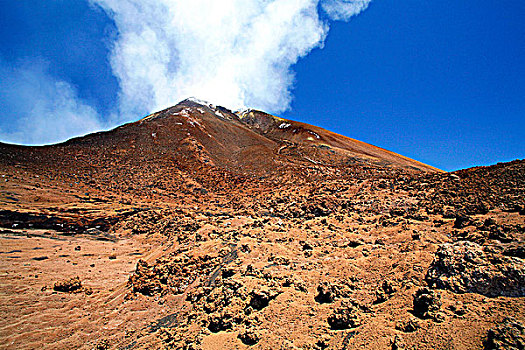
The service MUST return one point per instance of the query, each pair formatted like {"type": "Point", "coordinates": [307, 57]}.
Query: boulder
{"type": "Point", "coordinates": [465, 267]}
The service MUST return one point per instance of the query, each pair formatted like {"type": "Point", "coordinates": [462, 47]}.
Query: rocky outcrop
{"type": "Point", "coordinates": [466, 267]}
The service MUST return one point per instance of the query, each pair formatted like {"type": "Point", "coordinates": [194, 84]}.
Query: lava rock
{"type": "Point", "coordinates": [427, 304]}
{"type": "Point", "coordinates": [344, 317]}
{"type": "Point", "coordinates": [69, 285]}
{"type": "Point", "coordinates": [464, 267]}
{"type": "Point", "coordinates": [510, 334]}
{"type": "Point", "coordinates": [249, 336]}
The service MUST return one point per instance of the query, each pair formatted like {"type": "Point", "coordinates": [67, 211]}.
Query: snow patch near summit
{"type": "Point", "coordinates": [211, 106]}
{"type": "Point", "coordinates": [219, 114]}
{"type": "Point", "coordinates": [198, 101]}
{"type": "Point", "coordinates": [315, 134]}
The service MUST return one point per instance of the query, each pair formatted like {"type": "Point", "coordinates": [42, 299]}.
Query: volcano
{"type": "Point", "coordinates": [196, 133]}
{"type": "Point", "coordinates": [198, 227]}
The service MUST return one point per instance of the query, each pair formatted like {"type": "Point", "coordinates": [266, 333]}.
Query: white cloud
{"type": "Point", "coordinates": [344, 9]}
{"type": "Point", "coordinates": [236, 53]}
{"type": "Point", "coordinates": [41, 109]}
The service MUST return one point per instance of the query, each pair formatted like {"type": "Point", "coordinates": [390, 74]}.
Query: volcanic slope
{"type": "Point", "coordinates": [200, 228]}
{"type": "Point", "coordinates": [251, 141]}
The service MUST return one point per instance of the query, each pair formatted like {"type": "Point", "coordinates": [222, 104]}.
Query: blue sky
{"type": "Point", "coordinates": [440, 82]}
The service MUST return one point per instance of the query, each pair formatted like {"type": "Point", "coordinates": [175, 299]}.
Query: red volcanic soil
{"type": "Point", "coordinates": [200, 228]}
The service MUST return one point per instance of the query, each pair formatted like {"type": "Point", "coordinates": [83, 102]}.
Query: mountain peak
{"type": "Point", "coordinates": [273, 139]}
{"type": "Point", "coordinates": [196, 101]}
{"type": "Point", "coordinates": [248, 142]}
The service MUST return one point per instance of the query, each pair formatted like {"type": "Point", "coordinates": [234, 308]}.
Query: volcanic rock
{"type": "Point", "coordinates": [510, 334]}
{"type": "Point", "coordinates": [68, 285]}
{"type": "Point", "coordinates": [345, 316]}
{"type": "Point", "coordinates": [427, 304]}
{"type": "Point", "coordinates": [249, 336]}
{"type": "Point", "coordinates": [465, 267]}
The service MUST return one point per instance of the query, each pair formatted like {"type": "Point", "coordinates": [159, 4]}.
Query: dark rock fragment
{"type": "Point", "coordinates": [487, 224]}
{"type": "Point", "coordinates": [448, 213]}
{"type": "Point", "coordinates": [408, 326]}
{"type": "Point", "coordinates": [102, 344]}
{"type": "Point", "coordinates": [499, 233]}
{"type": "Point", "coordinates": [218, 323]}
{"type": "Point", "coordinates": [397, 343]}
{"type": "Point", "coordinates": [68, 285]}
{"type": "Point", "coordinates": [427, 304]}
{"type": "Point", "coordinates": [513, 208]}
{"type": "Point", "coordinates": [306, 245]}
{"type": "Point", "coordinates": [462, 220]}
{"type": "Point", "coordinates": [510, 334]}
{"type": "Point", "coordinates": [328, 292]}
{"type": "Point", "coordinates": [385, 291]}
{"type": "Point", "coordinates": [249, 336]}
{"type": "Point", "coordinates": [345, 316]}
{"type": "Point", "coordinates": [397, 212]}
{"type": "Point", "coordinates": [517, 251]}
{"type": "Point", "coordinates": [144, 280]}
{"type": "Point", "coordinates": [40, 258]}
{"type": "Point", "coordinates": [261, 298]}
{"type": "Point", "coordinates": [325, 293]}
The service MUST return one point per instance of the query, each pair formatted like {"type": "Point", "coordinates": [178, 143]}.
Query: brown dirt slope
{"type": "Point", "coordinates": [194, 228]}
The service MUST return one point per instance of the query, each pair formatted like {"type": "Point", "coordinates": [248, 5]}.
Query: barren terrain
{"type": "Point", "coordinates": [200, 228]}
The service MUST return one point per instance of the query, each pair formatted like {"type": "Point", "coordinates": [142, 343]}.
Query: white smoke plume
{"type": "Point", "coordinates": [237, 53]}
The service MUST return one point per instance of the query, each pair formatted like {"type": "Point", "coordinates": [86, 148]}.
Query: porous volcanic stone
{"type": "Point", "coordinates": [464, 267]}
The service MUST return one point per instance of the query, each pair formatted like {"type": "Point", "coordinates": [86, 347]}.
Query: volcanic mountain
{"type": "Point", "coordinates": [250, 141]}
{"type": "Point", "coordinates": [201, 228]}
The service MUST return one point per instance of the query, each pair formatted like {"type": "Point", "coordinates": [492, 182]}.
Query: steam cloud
{"type": "Point", "coordinates": [236, 53]}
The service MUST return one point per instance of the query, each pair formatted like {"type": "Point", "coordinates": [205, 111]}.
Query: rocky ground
{"type": "Point", "coordinates": [123, 252]}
